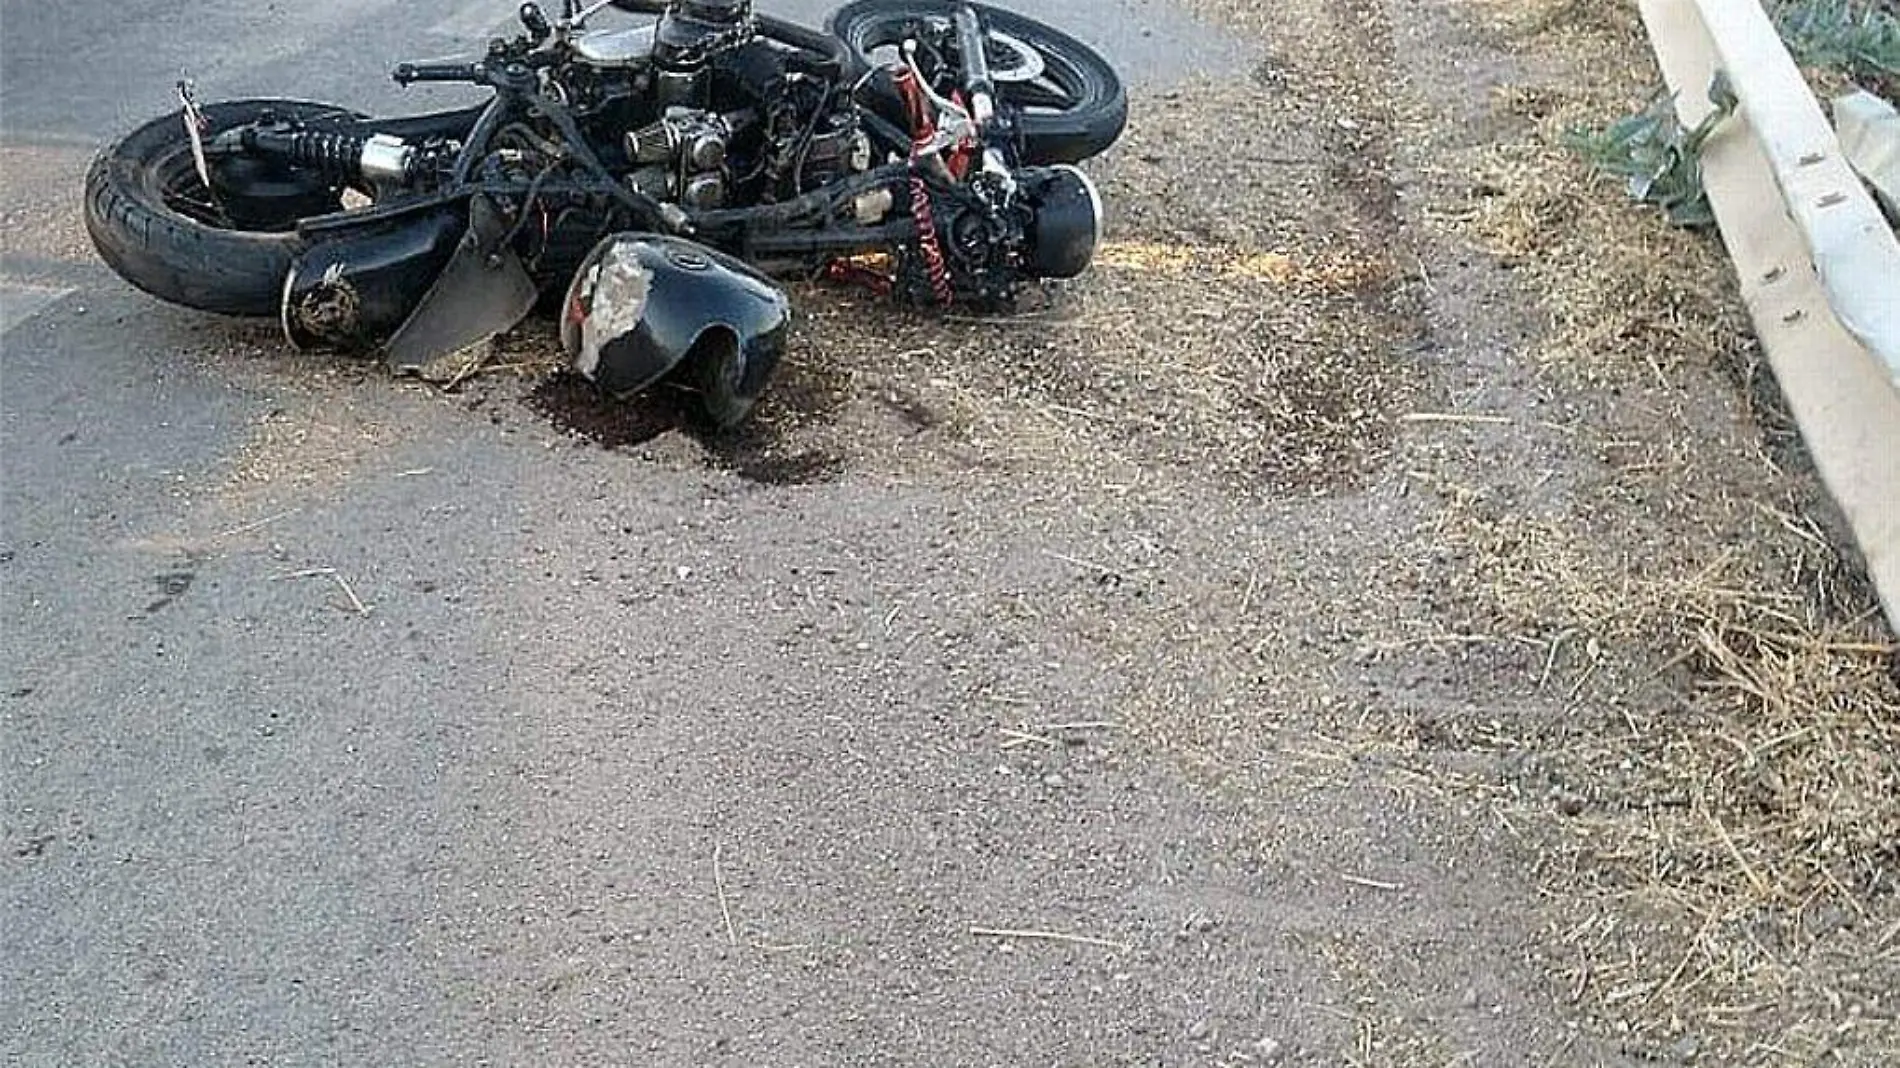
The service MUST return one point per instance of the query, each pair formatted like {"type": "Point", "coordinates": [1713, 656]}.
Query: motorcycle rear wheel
{"type": "Point", "coordinates": [1071, 101]}
{"type": "Point", "coordinates": [156, 225]}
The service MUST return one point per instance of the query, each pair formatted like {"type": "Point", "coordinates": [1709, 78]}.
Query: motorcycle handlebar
{"type": "Point", "coordinates": [408, 73]}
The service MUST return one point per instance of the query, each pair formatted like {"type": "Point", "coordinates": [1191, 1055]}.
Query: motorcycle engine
{"type": "Point", "coordinates": [710, 113]}
{"type": "Point", "coordinates": [982, 243]}
{"type": "Point", "coordinates": [682, 158]}
{"type": "Point", "coordinates": [669, 61]}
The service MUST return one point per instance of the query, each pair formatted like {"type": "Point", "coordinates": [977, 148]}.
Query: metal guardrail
{"type": "Point", "coordinates": [1816, 263]}
{"type": "Point", "coordinates": [1869, 129]}
{"type": "Point", "coordinates": [1853, 247]}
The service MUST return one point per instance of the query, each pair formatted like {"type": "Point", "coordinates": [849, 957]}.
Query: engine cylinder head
{"type": "Point", "coordinates": [680, 88]}
{"type": "Point", "coordinates": [723, 12]}
{"type": "Point", "coordinates": [693, 31]}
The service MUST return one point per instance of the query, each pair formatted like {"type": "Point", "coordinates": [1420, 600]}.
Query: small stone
{"type": "Point", "coordinates": [1200, 1030]}
{"type": "Point", "coordinates": [1267, 1048]}
{"type": "Point", "coordinates": [1828, 920]}
{"type": "Point", "coordinates": [1052, 781]}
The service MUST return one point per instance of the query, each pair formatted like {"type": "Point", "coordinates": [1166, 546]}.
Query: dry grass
{"type": "Point", "coordinates": [1240, 328]}
{"type": "Point", "coordinates": [1724, 860]}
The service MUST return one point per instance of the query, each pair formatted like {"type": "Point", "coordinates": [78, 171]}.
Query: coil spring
{"type": "Point", "coordinates": [928, 243]}
{"type": "Point", "coordinates": [336, 155]}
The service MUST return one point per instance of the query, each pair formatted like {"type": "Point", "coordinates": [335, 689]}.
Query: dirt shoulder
{"type": "Point", "coordinates": [1711, 709]}
{"type": "Point", "coordinates": [1426, 509]}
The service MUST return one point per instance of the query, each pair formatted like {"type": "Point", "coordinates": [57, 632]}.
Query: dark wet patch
{"type": "Point", "coordinates": [804, 393]}
{"type": "Point", "coordinates": [575, 406]}
{"type": "Point", "coordinates": [1359, 148]}
{"type": "Point", "coordinates": [767, 465]}
{"type": "Point", "coordinates": [763, 450]}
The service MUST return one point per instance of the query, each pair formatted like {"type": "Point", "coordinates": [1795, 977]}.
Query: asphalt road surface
{"type": "Point", "coordinates": [1182, 673]}
{"type": "Point", "coordinates": [627, 762]}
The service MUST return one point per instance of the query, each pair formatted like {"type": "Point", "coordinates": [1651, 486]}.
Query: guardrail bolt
{"type": "Point", "coordinates": [1812, 158]}
{"type": "Point", "coordinates": [1832, 199]}
{"type": "Point", "coordinates": [1794, 316]}
{"type": "Point", "coordinates": [1773, 274]}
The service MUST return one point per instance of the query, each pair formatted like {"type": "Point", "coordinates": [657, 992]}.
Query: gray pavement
{"type": "Point", "coordinates": [600, 701]}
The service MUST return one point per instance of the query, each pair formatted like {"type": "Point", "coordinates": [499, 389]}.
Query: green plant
{"type": "Point", "coordinates": [1657, 156]}
{"type": "Point", "coordinates": [1859, 38]}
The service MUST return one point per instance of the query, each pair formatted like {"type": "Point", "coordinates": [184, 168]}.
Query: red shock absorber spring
{"type": "Point", "coordinates": [928, 244]}
{"type": "Point", "coordinates": [923, 129]}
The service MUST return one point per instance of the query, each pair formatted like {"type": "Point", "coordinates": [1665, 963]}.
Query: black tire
{"type": "Point", "coordinates": [1094, 109]}
{"type": "Point", "coordinates": [133, 195]}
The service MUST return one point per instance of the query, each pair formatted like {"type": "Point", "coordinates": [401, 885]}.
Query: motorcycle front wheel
{"type": "Point", "coordinates": [158, 227]}
{"type": "Point", "coordinates": [1072, 104]}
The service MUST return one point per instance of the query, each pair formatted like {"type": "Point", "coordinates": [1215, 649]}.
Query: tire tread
{"type": "Point", "coordinates": [173, 257]}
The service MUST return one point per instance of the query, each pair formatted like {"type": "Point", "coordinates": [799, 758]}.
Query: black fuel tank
{"type": "Point", "coordinates": [642, 305]}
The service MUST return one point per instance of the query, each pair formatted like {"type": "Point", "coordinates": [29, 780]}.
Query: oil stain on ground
{"type": "Point", "coordinates": [771, 448]}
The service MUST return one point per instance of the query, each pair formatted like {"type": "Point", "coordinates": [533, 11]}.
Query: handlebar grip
{"type": "Point", "coordinates": [536, 22]}
{"type": "Point", "coordinates": [407, 73]}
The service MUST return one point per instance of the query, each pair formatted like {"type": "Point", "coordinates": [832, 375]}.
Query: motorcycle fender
{"type": "Point", "coordinates": [641, 304]}
{"type": "Point", "coordinates": [482, 291]}
{"type": "Point", "coordinates": [353, 289]}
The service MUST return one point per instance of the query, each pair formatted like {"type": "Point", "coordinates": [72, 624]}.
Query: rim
{"type": "Point", "coordinates": [1034, 75]}
{"type": "Point", "coordinates": [173, 180]}
{"type": "Point", "coordinates": [1012, 59]}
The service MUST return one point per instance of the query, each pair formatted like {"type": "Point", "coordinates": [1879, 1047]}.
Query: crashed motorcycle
{"type": "Point", "coordinates": [646, 181]}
